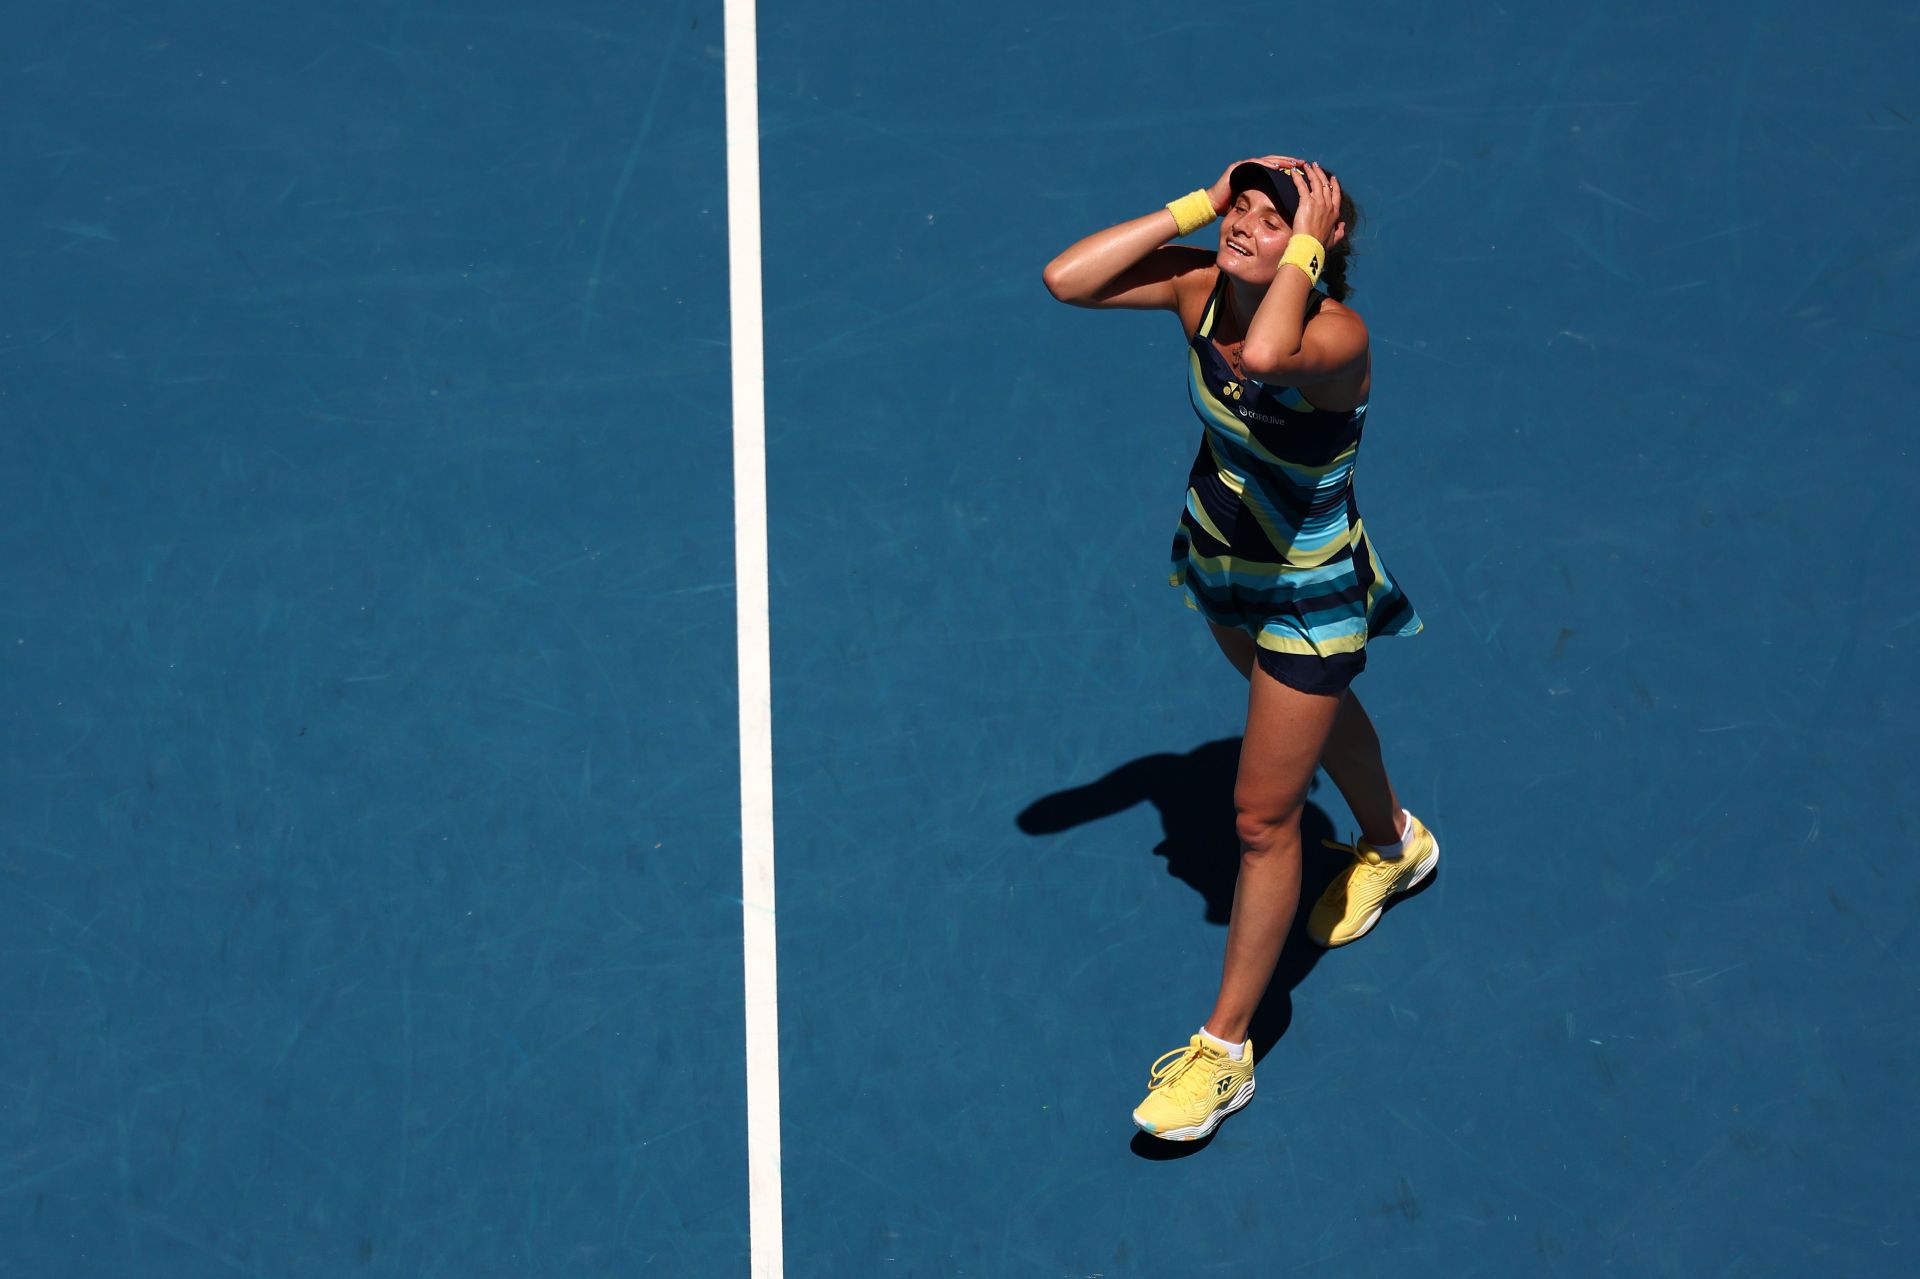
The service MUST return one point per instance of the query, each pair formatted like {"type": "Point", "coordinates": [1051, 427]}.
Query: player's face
{"type": "Point", "coordinates": [1253, 235]}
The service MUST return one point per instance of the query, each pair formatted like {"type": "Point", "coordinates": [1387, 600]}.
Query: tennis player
{"type": "Point", "coordinates": [1271, 551]}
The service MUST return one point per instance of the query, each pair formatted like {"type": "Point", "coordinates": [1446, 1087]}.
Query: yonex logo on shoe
{"type": "Point", "coordinates": [1221, 1084]}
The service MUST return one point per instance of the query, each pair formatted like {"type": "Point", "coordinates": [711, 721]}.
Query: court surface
{"type": "Point", "coordinates": [370, 826]}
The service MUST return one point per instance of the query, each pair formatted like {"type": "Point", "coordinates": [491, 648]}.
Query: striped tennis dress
{"type": "Point", "coordinates": [1270, 541]}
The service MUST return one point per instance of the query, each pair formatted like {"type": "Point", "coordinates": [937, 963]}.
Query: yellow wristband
{"type": "Point", "coordinates": [1192, 211]}
{"type": "Point", "coordinates": [1306, 253]}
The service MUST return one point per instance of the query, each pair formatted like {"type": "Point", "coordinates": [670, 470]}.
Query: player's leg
{"type": "Point", "coordinates": [1352, 760]}
{"type": "Point", "coordinates": [1352, 757]}
{"type": "Point", "coordinates": [1286, 734]}
{"type": "Point", "coordinates": [1395, 852]}
{"type": "Point", "coordinates": [1237, 645]}
{"type": "Point", "coordinates": [1193, 1088]}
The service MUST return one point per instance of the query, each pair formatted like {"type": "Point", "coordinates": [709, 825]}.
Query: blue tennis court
{"type": "Point", "coordinates": [371, 822]}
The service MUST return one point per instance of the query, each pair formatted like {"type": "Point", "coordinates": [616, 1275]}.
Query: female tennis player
{"type": "Point", "coordinates": [1271, 551]}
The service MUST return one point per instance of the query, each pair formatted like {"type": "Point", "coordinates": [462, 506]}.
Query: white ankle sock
{"type": "Point", "coordinates": [1232, 1050]}
{"type": "Point", "coordinates": [1391, 852]}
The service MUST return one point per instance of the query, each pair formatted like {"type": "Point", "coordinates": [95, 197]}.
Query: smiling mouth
{"type": "Point", "coordinates": [1245, 253]}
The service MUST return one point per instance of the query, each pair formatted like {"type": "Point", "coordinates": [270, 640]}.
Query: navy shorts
{"type": "Point", "coordinates": [1324, 676]}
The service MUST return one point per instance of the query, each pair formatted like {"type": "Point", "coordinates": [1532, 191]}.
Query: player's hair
{"type": "Point", "coordinates": [1335, 272]}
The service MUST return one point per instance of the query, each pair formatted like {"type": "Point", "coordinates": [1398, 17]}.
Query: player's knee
{"type": "Point", "coordinates": [1266, 825]}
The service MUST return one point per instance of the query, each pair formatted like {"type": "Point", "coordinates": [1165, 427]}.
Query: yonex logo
{"type": "Point", "coordinates": [1233, 389]}
{"type": "Point", "coordinates": [1221, 1085]}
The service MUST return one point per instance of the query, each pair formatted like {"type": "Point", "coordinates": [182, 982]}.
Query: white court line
{"type": "Point", "coordinates": [756, 678]}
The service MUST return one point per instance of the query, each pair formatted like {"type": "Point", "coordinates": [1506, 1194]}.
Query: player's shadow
{"type": "Point", "coordinates": [1194, 793]}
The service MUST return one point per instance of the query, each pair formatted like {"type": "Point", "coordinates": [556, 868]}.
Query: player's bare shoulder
{"type": "Point", "coordinates": [1194, 285]}
{"type": "Point", "coordinates": [1340, 314]}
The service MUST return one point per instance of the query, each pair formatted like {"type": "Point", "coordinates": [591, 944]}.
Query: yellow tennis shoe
{"type": "Point", "coordinates": [1192, 1089]}
{"type": "Point", "coordinates": [1352, 904]}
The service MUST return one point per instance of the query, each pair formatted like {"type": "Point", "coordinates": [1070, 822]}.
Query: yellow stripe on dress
{"type": "Point", "coordinates": [1200, 517]}
{"type": "Point", "coordinates": [1223, 570]}
{"type": "Point", "coordinates": [1301, 646]}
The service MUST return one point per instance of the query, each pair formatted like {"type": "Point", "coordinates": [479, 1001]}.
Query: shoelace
{"type": "Point", "coordinates": [1359, 849]}
{"type": "Point", "coordinates": [1161, 1074]}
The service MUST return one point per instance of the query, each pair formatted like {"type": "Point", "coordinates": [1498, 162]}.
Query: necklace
{"type": "Point", "coordinates": [1232, 352]}
{"type": "Point", "coordinates": [1233, 357]}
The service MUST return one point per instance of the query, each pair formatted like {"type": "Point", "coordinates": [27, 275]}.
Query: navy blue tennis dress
{"type": "Point", "coordinates": [1270, 541]}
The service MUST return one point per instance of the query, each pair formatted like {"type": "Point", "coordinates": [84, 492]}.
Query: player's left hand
{"type": "Point", "coordinates": [1319, 211]}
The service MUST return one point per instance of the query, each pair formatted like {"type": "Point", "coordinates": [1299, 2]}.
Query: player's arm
{"type": "Point", "coordinates": [1129, 266]}
{"type": "Point", "coordinates": [1282, 346]}
{"type": "Point", "coordinates": [1331, 346]}
{"type": "Point", "coordinates": [1132, 264]}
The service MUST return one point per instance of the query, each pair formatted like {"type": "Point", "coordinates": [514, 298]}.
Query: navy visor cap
{"type": "Point", "coordinates": [1277, 183]}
